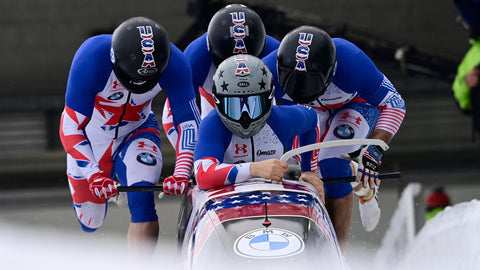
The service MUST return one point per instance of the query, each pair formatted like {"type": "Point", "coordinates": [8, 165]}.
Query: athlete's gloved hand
{"type": "Point", "coordinates": [368, 159]}
{"type": "Point", "coordinates": [102, 187]}
{"type": "Point", "coordinates": [175, 185]}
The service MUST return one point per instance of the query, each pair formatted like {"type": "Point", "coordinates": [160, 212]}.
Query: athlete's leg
{"type": "Point", "coordinates": [353, 121]}
{"type": "Point", "coordinates": [340, 211]}
{"type": "Point", "coordinates": [142, 238]}
{"type": "Point", "coordinates": [338, 197]}
{"type": "Point", "coordinates": [90, 210]}
{"type": "Point", "coordinates": [139, 162]}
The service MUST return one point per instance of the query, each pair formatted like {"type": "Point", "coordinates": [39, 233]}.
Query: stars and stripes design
{"type": "Point", "coordinates": [392, 111]}
{"type": "Point", "coordinates": [279, 203]}
{"type": "Point", "coordinates": [74, 140]}
{"type": "Point", "coordinates": [390, 119]}
{"type": "Point", "coordinates": [188, 132]}
{"type": "Point", "coordinates": [112, 112]}
{"type": "Point", "coordinates": [212, 174]}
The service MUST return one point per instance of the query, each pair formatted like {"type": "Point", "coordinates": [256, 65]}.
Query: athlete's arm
{"type": "Point", "coordinates": [361, 74]}
{"type": "Point", "coordinates": [301, 121]}
{"type": "Point", "coordinates": [177, 79]}
{"type": "Point", "coordinates": [89, 71]}
{"type": "Point", "coordinates": [210, 171]}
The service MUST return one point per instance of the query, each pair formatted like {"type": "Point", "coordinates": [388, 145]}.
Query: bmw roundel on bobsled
{"type": "Point", "coordinates": [257, 225]}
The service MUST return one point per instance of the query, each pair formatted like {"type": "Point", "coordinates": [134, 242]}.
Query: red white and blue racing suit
{"type": "Point", "coordinates": [222, 158]}
{"type": "Point", "coordinates": [203, 70]}
{"type": "Point", "coordinates": [359, 99]}
{"type": "Point", "coordinates": [105, 128]}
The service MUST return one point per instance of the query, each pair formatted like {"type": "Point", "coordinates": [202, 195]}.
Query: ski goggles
{"type": "Point", "coordinates": [233, 107]}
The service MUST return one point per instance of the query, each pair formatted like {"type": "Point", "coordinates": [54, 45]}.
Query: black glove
{"type": "Point", "coordinates": [368, 159]}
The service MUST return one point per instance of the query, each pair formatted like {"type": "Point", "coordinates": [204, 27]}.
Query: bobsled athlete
{"type": "Point", "coordinates": [245, 135]}
{"type": "Point", "coordinates": [110, 132]}
{"type": "Point", "coordinates": [353, 100]}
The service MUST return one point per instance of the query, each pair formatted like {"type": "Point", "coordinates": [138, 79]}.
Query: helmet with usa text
{"type": "Point", "coordinates": [140, 52]}
{"type": "Point", "coordinates": [235, 29]}
{"type": "Point", "coordinates": [243, 94]}
{"type": "Point", "coordinates": [306, 63]}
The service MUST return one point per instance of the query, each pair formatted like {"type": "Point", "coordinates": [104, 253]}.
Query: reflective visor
{"type": "Point", "coordinates": [233, 107]}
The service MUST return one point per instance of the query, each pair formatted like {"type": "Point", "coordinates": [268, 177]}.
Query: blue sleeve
{"type": "Point", "coordinates": [302, 121]}
{"type": "Point", "coordinates": [213, 138]}
{"type": "Point", "coordinates": [176, 79]}
{"type": "Point", "coordinates": [89, 73]}
{"type": "Point", "coordinates": [199, 58]}
{"type": "Point", "coordinates": [356, 72]}
{"type": "Point", "coordinates": [271, 44]}
{"type": "Point", "coordinates": [469, 10]}
{"type": "Point", "coordinates": [271, 62]}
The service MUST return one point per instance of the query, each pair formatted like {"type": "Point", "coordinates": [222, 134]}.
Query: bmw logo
{"type": "Point", "coordinates": [268, 243]}
{"type": "Point", "coordinates": [147, 159]}
{"type": "Point", "coordinates": [116, 96]}
{"type": "Point", "coordinates": [344, 132]}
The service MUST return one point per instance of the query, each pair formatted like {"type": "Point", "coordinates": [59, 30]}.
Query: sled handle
{"type": "Point", "coordinates": [381, 176]}
{"type": "Point", "coordinates": [139, 188]}
{"type": "Point", "coordinates": [321, 145]}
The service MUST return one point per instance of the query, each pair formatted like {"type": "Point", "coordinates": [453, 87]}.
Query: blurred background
{"type": "Point", "coordinates": [417, 44]}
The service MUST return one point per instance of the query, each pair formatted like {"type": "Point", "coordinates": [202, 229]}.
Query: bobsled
{"type": "Point", "coordinates": [256, 224]}
{"type": "Point", "coordinates": [260, 224]}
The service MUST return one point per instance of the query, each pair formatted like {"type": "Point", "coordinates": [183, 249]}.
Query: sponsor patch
{"type": "Point", "coordinates": [147, 159]}
{"type": "Point", "coordinates": [344, 132]}
{"type": "Point", "coordinates": [116, 96]}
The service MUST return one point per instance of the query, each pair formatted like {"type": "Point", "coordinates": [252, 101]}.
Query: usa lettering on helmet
{"type": "Point", "coordinates": [239, 31]}
{"type": "Point", "coordinates": [146, 34]}
{"type": "Point", "coordinates": [242, 68]}
{"type": "Point", "coordinates": [304, 40]}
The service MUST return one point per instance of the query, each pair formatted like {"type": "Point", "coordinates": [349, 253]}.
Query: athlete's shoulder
{"type": "Point", "coordinates": [199, 58]}
{"type": "Point", "coordinates": [178, 66]}
{"type": "Point", "coordinates": [177, 56]}
{"type": "Point", "coordinates": [354, 65]}
{"type": "Point", "coordinates": [91, 64]}
{"type": "Point", "coordinates": [213, 129]}
{"type": "Point", "coordinates": [288, 120]}
{"type": "Point", "coordinates": [290, 113]}
{"type": "Point", "coordinates": [95, 47]}
{"type": "Point", "coordinates": [271, 60]}
{"type": "Point", "coordinates": [197, 50]}
{"type": "Point", "coordinates": [345, 48]}
{"type": "Point", "coordinates": [212, 119]}
{"type": "Point", "coordinates": [271, 44]}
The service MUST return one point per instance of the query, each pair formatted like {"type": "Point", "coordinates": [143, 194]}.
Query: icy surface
{"type": "Point", "coordinates": [450, 240]}
{"type": "Point", "coordinates": [26, 248]}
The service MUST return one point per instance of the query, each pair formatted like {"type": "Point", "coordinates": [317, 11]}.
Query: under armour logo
{"type": "Point", "coordinates": [347, 115]}
{"type": "Point", "coordinates": [242, 148]}
{"type": "Point", "coordinates": [144, 145]}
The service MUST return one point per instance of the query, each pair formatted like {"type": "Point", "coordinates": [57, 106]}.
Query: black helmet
{"type": "Point", "coordinates": [243, 93]}
{"type": "Point", "coordinates": [235, 29]}
{"type": "Point", "coordinates": [306, 62]}
{"type": "Point", "coordinates": [140, 52]}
